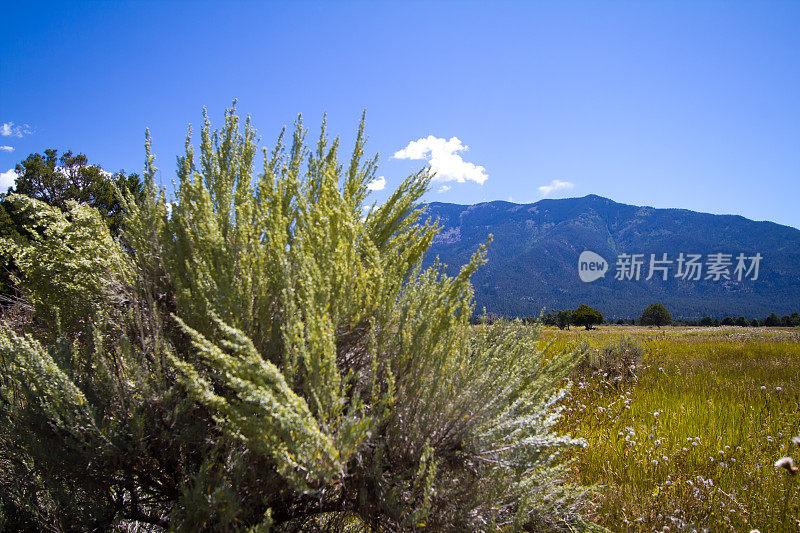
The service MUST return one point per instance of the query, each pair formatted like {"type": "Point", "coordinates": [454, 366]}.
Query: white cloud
{"type": "Point", "coordinates": [443, 188]}
{"type": "Point", "coordinates": [7, 179]}
{"type": "Point", "coordinates": [377, 184]}
{"type": "Point", "coordinates": [8, 129]}
{"type": "Point", "coordinates": [168, 205]}
{"type": "Point", "coordinates": [555, 185]}
{"type": "Point", "coordinates": [441, 154]}
{"type": "Point", "coordinates": [6, 148]}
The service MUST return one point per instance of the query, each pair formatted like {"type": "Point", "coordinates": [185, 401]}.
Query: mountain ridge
{"type": "Point", "coordinates": [606, 199]}
{"type": "Point", "coordinates": [533, 260]}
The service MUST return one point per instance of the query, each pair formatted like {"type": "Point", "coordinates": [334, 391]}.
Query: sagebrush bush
{"type": "Point", "coordinates": [260, 354]}
{"type": "Point", "coordinates": [617, 360]}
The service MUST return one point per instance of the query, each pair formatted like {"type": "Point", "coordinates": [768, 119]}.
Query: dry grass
{"type": "Point", "coordinates": [689, 440]}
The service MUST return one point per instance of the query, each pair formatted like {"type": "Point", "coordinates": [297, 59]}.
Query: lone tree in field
{"type": "Point", "coordinates": [655, 315]}
{"type": "Point", "coordinates": [266, 356]}
{"type": "Point", "coordinates": [586, 316]}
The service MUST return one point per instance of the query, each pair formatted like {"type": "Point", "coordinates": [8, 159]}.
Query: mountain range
{"type": "Point", "coordinates": [741, 266]}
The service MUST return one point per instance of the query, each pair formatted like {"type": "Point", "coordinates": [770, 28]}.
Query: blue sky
{"type": "Point", "coordinates": [669, 104]}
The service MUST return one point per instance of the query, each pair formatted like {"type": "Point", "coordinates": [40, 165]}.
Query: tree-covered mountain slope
{"type": "Point", "coordinates": [533, 259]}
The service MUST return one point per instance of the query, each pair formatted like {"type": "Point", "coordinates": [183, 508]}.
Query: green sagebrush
{"type": "Point", "coordinates": [260, 354]}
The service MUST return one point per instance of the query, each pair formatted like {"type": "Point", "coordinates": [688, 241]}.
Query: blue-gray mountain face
{"type": "Point", "coordinates": [533, 259]}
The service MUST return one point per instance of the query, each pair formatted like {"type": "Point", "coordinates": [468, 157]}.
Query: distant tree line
{"type": "Point", "coordinates": [583, 316]}
{"type": "Point", "coordinates": [773, 320]}
{"type": "Point", "coordinates": [657, 315]}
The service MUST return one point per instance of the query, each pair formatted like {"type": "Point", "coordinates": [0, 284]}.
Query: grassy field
{"type": "Point", "coordinates": [685, 425]}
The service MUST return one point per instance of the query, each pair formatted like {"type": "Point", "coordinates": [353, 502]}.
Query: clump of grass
{"type": "Point", "coordinates": [618, 360]}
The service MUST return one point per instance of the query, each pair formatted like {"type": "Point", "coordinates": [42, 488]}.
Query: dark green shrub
{"type": "Point", "coordinates": [655, 315]}
{"type": "Point", "coordinates": [586, 316]}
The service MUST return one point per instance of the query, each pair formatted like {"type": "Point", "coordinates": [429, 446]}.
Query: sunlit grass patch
{"type": "Point", "coordinates": [691, 441]}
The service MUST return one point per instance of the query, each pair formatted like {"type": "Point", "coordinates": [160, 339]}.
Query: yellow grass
{"type": "Point", "coordinates": [691, 441]}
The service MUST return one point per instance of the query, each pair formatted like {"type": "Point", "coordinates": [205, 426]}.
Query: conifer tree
{"type": "Point", "coordinates": [655, 315]}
